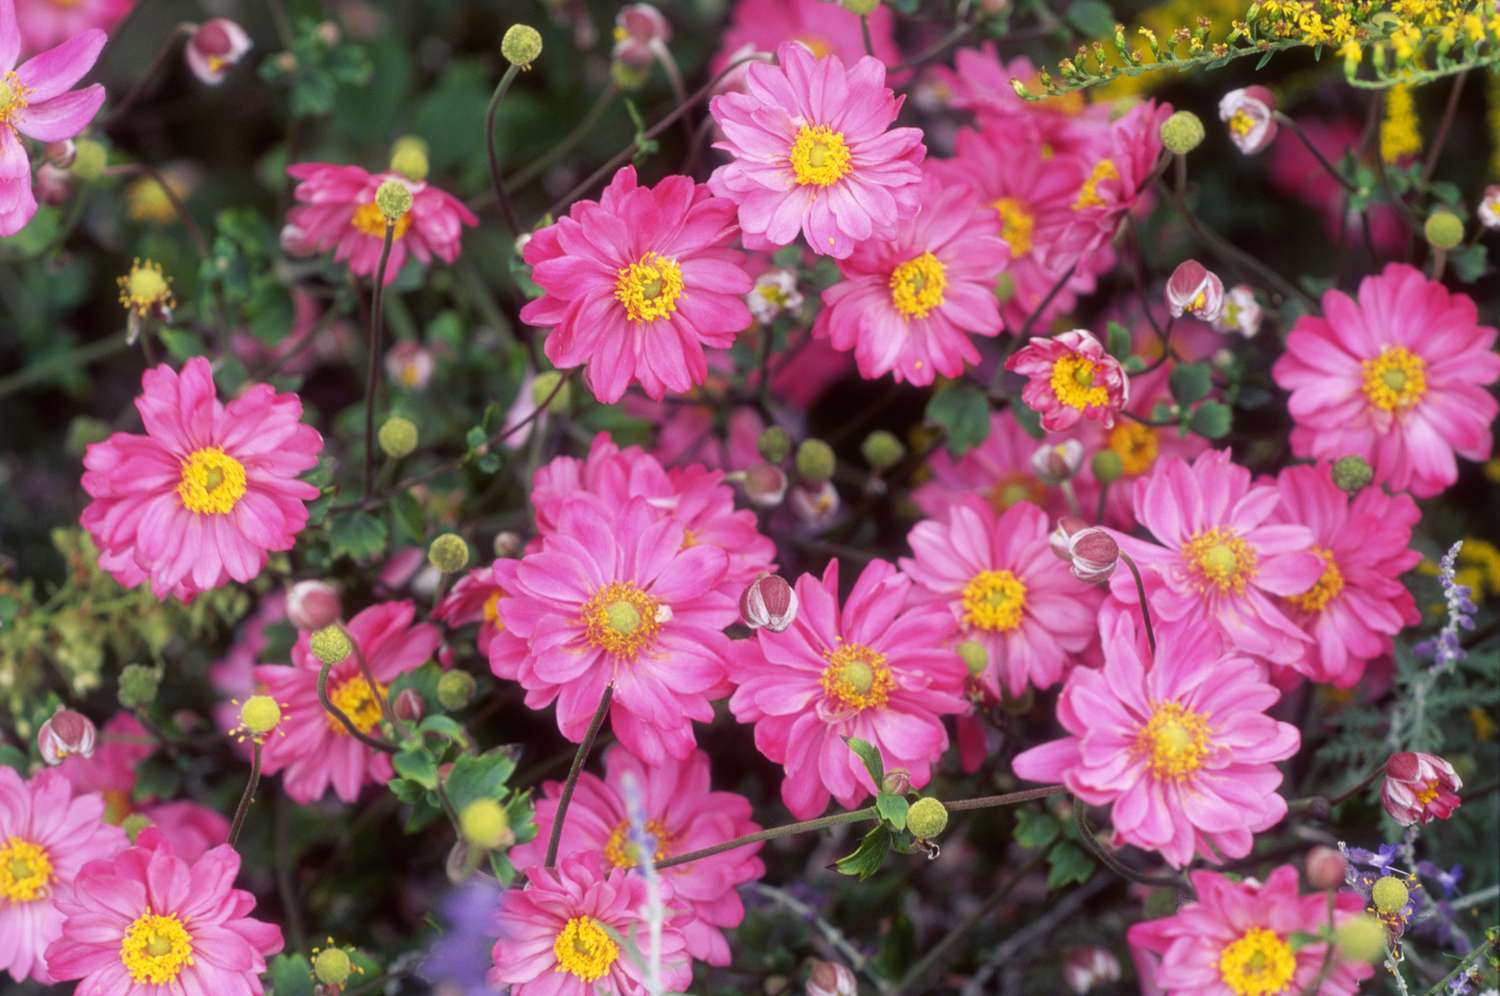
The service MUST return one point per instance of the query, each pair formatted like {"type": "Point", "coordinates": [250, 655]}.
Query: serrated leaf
{"type": "Point", "coordinates": [1212, 420]}
{"type": "Point", "coordinates": [291, 975]}
{"type": "Point", "coordinates": [1119, 344]}
{"type": "Point", "coordinates": [417, 765]}
{"type": "Point", "coordinates": [1190, 382]}
{"type": "Point", "coordinates": [479, 777]}
{"type": "Point", "coordinates": [867, 858]}
{"type": "Point", "coordinates": [964, 411]}
{"type": "Point", "coordinates": [870, 755]}
{"type": "Point", "coordinates": [358, 535]}
{"type": "Point", "coordinates": [892, 809]}
{"type": "Point", "coordinates": [1035, 829]}
{"type": "Point", "coordinates": [1068, 863]}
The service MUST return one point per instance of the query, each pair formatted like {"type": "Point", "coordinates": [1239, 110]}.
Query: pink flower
{"type": "Point", "coordinates": [475, 598]}
{"type": "Point", "coordinates": [1115, 181]}
{"type": "Point", "coordinates": [35, 101]}
{"type": "Point", "coordinates": [215, 47]}
{"type": "Point", "coordinates": [313, 604]}
{"type": "Point", "coordinates": [681, 814]}
{"type": "Point", "coordinates": [47, 833]}
{"type": "Point", "coordinates": [1223, 557]}
{"type": "Point", "coordinates": [66, 734]}
{"type": "Point", "coordinates": [813, 150]}
{"type": "Point", "coordinates": [638, 283]}
{"type": "Point", "coordinates": [998, 576]}
{"type": "Point", "coordinates": [872, 670]}
{"type": "Point", "coordinates": [618, 598]}
{"type": "Point", "coordinates": [1419, 788]}
{"type": "Point", "coordinates": [1181, 749]}
{"type": "Point", "coordinates": [146, 921]}
{"type": "Point", "coordinates": [1397, 377]}
{"type": "Point", "coordinates": [1489, 207]}
{"type": "Point", "coordinates": [1246, 937]}
{"type": "Point", "coordinates": [45, 23]}
{"type": "Point", "coordinates": [825, 28]}
{"type": "Point", "coordinates": [554, 941]}
{"type": "Point", "coordinates": [207, 492]}
{"type": "Point", "coordinates": [336, 210]}
{"type": "Point", "coordinates": [1358, 603]}
{"type": "Point", "coordinates": [317, 749]}
{"type": "Point", "coordinates": [907, 305]}
{"type": "Point", "coordinates": [640, 29]}
{"type": "Point", "coordinates": [998, 470]}
{"type": "Point", "coordinates": [1242, 312]}
{"type": "Point", "coordinates": [1250, 114]}
{"type": "Point", "coordinates": [1071, 378]}
{"type": "Point", "coordinates": [1195, 290]}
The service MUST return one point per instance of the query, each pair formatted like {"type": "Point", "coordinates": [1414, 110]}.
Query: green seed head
{"type": "Point", "coordinates": [449, 553]}
{"type": "Point", "coordinates": [882, 450]}
{"type": "Point", "coordinates": [1182, 132]}
{"type": "Point", "coordinates": [1444, 230]}
{"type": "Point", "coordinates": [1389, 894]}
{"type": "Point", "coordinates": [332, 966]}
{"type": "Point", "coordinates": [138, 685]}
{"type": "Point", "coordinates": [521, 45]}
{"type": "Point", "coordinates": [815, 460]}
{"type": "Point", "coordinates": [773, 444]}
{"type": "Point", "coordinates": [927, 818]}
{"type": "Point", "coordinates": [409, 158]}
{"type": "Point", "coordinates": [455, 689]}
{"type": "Point", "coordinates": [1360, 938]}
{"type": "Point", "coordinates": [331, 644]}
{"type": "Point", "coordinates": [393, 198]}
{"type": "Point", "coordinates": [398, 437]}
{"type": "Point", "coordinates": [485, 824]}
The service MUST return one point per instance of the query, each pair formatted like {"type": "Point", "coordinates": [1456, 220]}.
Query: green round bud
{"type": "Point", "coordinates": [815, 460]}
{"type": "Point", "coordinates": [773, 444]}
{"type": "Point", "coordinates": [485, 824]}
{"type": "Point", "coordinates": [133, 825]}
{"type": "Point", "coordinates": [455, 689]}
{"type": "Point", "coordinates": [448, 553]}
{"type": "Point", "coordinates": [926, 818]}
{"type": "Point", "coordinates": [521, 45]}
{"type": "Point", "coordinates": [398, 437]}
{"type": "Point", "coordinates": [1360, 938]}
{"type": "Point", "coordinates": [330, 644]}
{"type": "Point", "coordinates": [1389, 894]}
{"type": "Point", "coordinates": [1182, 132]}
{"type": "Point", "coordinates": [860, 7]}
{"type": "Point", "coordinates": [1351, 473]}
{"type": "Point", "coordinates": [138, 685]}
{"type": "Point", "coordinates": [393, 198]}
{"type": "Point", "coordinates": [1444, 230]}
{"type": "Point", "coordinates": [628, 76]}
{"type": "Point", "coordinates": [90, 159]}
{"type": "Point", "coordinates": [882, 450]}
{"type": "Point", "coordinates": [409, 158]}
{"type": "Point", "coordinates": [1107, 466]}
{"type": "Point", "coordinates": [83, 431]}
{"type": "Point", "coordinates": [542, 387]}
{"type": "Point", "coordinates": [259, 715]}
{"type": "Point", "coordinates": [975, 657]}
{"type": "Point", "coordinates": [332, 966]}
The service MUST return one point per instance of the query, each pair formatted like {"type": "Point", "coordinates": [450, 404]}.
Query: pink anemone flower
{"type": "Point", "coordinates": [825, 28]}
{"type": "Point", "coordinates": [1116, 181]}
{"type": "Point", "coordinates": [1070, 378]}
{"type": "Point", "coordinates": [998, 471]}
{"type": "Point", "coordinates": [474, 599]}
{"type": "Point", "coordinates": [46, 23]}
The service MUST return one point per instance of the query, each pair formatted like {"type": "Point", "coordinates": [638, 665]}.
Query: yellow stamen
{"type": "Point", "coordinates": [1014, 488]}
{"type": "Point", "coordinates": [354, 697]}
{"type": "Point", "coordinates": [622, 852]}
{"type": "Point", "coordinates": [212, 482]}
{"type": "Point", "coordinates": [145, 288]}
{"type": "Point", "coordinates": [25, 871]}
{"type": "Point", "coordinates": [1073, 383]}
{"type": "Point", "coordinates": [994, 601]}
{"type": "Point", "coordinates": [12, 96]}
{"type": "Point", "coordinates": [1136, 445]}
{"type": "Point", "coordinates": [1088, 194]}
{"type": "Point", "coordinates": [1258, 964]}
{"type": "Point", "coordinates": [819, 156]}
{"type": "Point", "coordinates": [1325, 589]}
{"type": "Point", "coordinates": [492, 609]}
{"type": "Point", "coordinates": [155, 949]}
{"type": "Point", "coordinates": [917, 285]}
{"type": "Point", "coordinates": [369, 220]}
{"type": "Point", "coordinates": [857, 677]}
{"type": "Point", "coordinates": [1016, 225]}
{"type": "Point", "coordinates": [621, 620]}
{"type": "Point", "coordinates": [1219, 557]}
{"type": "Point", "coordinates": [1396, 379]}
{"type": "Point", "coordinates": [584, 949]}
{"type": "Point", "coordinates": [1174, 740]}
{"type": "Point", "coordinates": [649, 288]}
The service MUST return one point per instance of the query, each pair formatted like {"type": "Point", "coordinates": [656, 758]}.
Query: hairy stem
{"type": "Point", "coordinates": [248, 796]}
{"type": "Point", "coordinates": [579, 758]}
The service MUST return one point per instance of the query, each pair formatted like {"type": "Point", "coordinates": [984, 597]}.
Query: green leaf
{"type": "Point", "coordinates": [1035, 828]}
{"type": "Point", "coordinates": [481, 777]}
{"type": "Point", "coordinates": [444, 726]}
{"type": "Point", "coordinates": [867, 858]}
{"type": "Point", "coordinates": [1212, 420]}
{"type": "Point", "coordinates": [357, 535]}
{"type": "Point", "coordinates": [1119, 341]}
{"type": "Point", "coordinates": [1190, 382]}
{"type": "Point", "coordinates": [417, 765]}
{"type": "Point", "coordinates": [868, 754]}
{"type": "Point", "coordinates": [291, 975]}
{"type": "Point", "coordinates": [892, 809]}
{"type": "Point", "coordinates": [1092, 17]}
{"type": "Point", "coordinates": [411, 524]}
{"type": "Point", "coordinates": [181, 343]}
{"type": "Point", "coordinates": [964, 411]}
{"type": "Point", "coordinates": [1029, 419]}
{"type": "Point", "coordinates": [10, 757]}
{"type": "Point", "coordinates": [1468, 263]}
{"type": "Point", "coordinates": [1068, 863]}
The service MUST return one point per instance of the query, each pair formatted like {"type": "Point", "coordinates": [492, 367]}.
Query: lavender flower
{"type": "Point", "coordinates": [456, 963]}
{"type": "Point", "coordinates": [1446, 651]}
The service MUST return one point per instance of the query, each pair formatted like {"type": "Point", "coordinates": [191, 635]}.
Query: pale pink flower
{"type": "Point", "coordinates": [1250, 115]}
{"type": "Point", "coordinates": [1071, 378]}
{"type": "Point", "coordinates": [638, 283]}
{"type": "Point", "coordinates": [46, 23]}
{"type": "Point", "coordinates": [66, 734]}
{"type": "Point", "coordinates": [208, 492]}
{"type": "Point", "coordinates": [1419, 788]}
{"type": "Point", "coordinates": [813, 151]}
{"type": "Point", "coordinates": [998, 470]}
{"type": "Point", "coordinates": [1086, 968]}
{"type": "Point", "coordinates": [317, 749]}
{"type": "Point", "coordinates": [475, 598]}
{"type": "Point", "coordinates": [1180, 748]}
{"type": "Point", "coordinates": [313, 604]}
{"type": "Point", "coordinates": [825, 28]}
{"type": "Point", "coordinates": [640, 30]}
{"type": "Point", "coordinates": [410, 364]}
{"type": "Point", "coordinates": [872, 670]}
{"type": "Point", "coordinates": [829, 978]}
{"type": "Point", "coordinates": [681, 813]}
{"type": "Point", "coordinates": [1196, 290]}
{"type": "Point", "coordinates": [215, 47]}
{"type": "Point", "coordinates": [1489, 207]}
{"type": "Point", "coordinates": [1398, 376]}
{"type": "Point", "coordinates": [1242, 312]}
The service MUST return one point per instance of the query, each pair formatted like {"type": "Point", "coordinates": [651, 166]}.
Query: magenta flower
{"type": "Point", "coordinates": [813, 151]}
{"type": "Point", "coordinates": [998, 470]}
{"type": "Point", "coordinates": [907, 305]}
{"type": "Point", "coordinates": [1071, 378]}
{"type": "Point", "coordinates": [1250, 115]}
{"type": "Point", "coordinates": [36, 102]}
{"type": "Point", "coordinates": [215, 47]}
{"type": "Point", "coordinates": [1397, 377]}
{"type": "Point", "coordinates": [1196, 290]}
{"type": "Point", "coordinates": [47, 23]}
{"type": "Point", "coordinates": [825, 28]}
{"type": "Point", "coordinates": [1358, 603]}
{"type": "Point", "coordinates": [207, 492]}
{"type": "Point", "coordinates": [1419, 788]}
{"type": "Point", "coordinates": [475, 598]}
{"type": "Point", "coordinates": [147, 922]}
{"type": "Point", "coordinates": [317, 749]}
{"type": "Point", "coordinates": [555, 934]}
{"type": "Point", "coordinates": [681, 814]}
{"type": "Point", "coordinates": [618, 598]}
{"type": "Point", "coordinates": [1181, 748]}
{"type": "Point", "coordinates": [1115, 181]}
{"type": "Point", "coordinates": [1240, 937]}
{"type": "Point", "coordinates": [999, 578]}
{"type": "Point", "coordinates": [336, 210]}
{"type": "Point", "coordinates": [47, 834]}
{"type": "Point", "coordinates": [872, 670]}
{"type": "Point", "coordinates": [638, 283]}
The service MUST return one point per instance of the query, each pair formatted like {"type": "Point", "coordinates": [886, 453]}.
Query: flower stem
{"type": "Point", "coordinates": [248, 796]}
{"type": "Point", "coordinates": [144, 81]}
{"type": "Point", "coordinates": [1086, 836]}
{"type": "Point", "coordinates": [343, 717]}
{"type": "Point", "coordinates": [502, 198]}
{"type": "Point", "coordinates": [579, 758]}
{"type": "Point", "coordinates": [1332, 171]}
{"type": "Point", "coordinates": [864, 31]}
{"type": "Point", "coordinates": [372, 374]}
{"type": "Point", "coordinates": [1140, 592]}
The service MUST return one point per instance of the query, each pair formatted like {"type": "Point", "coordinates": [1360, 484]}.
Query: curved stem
{"type": "Point", "coordinates": [141, 84]}
{"type": "Point", "coordinates": [864, 31]}
{"type": "Point", "coordinates": [343, 717]}
{"type": "Point", "coordinates": [585, 125]}
{"type": "Point", "coordinates": [1233, 254]}
{"type": "Point", "coordinates": [372, 374]}
{"type": "Point", "coordinates": [506, 207]}
{"type": "Point", "coordinates": [1449, 110]}
{"type": "Point", "coordinates": [1296, 129]}
{"type": "Point", "coordinates": [578, 761]}
{"type": "Point", "coordinates": [1359, 786]}
{"type": "Point", "coordinates": [1140, 593]}
{"type": "Point", "coordinates": [1086, 835]}
{"type": "Point", "coordinates": [376, 691]}
{"type": "Point", "coordinates": [248, 796]}
{"type": "Point", "coordinates": [674, 80]}
{"type": "Point", "coordinates": [935, 50]}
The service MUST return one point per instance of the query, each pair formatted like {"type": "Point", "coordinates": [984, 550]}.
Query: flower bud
{"type": "Point", "coordinates": [521, 45]}
{"type": "Point", "coordinates": [329, 33]}
{"type": "Point", "coordinates": [66, 734]}
{"type": "Point", "coordinates": [814, 505]}
{"type": "Point", "coordinates": [1196, 290]}
{"type": "Point", "coordinates": [312, 605]}
{"type": "Point", "coordinates": [860, 7]}
{"type": "Point", "coordinates": [882, 450]}
{"type": "Point", "coordinates": [330, 645]}
{"type": "Point", "coordinates": [1351, 473]}
{"type": "Point", "coordinates": [775, 293]}
{"type": "Point", "coordinates": [1489, 207]}
{"type": "Point", "coordinates": [89, 160]}
{"type": "Point", "coordinates": [294, 242]}
{"type": "Point", "coordinates": [332, 966]}
{"type": "Point", "coordinates": [1389, 894]}
{"type": "Point", "coordinates": [1250, 114]}
{"type": "Point", "coordinates": [1084, 968]}
{"type": "Point", "coordinates": [815, 460]}
{"type": "Point", "coordinates": [773, 444]}
{"type": "Point", "coordinates": [639, 29]}
{"type": "Point", "coordinates": [485, 824]}
{"type": "Point", "coordinates": [770, 602]}
{"type": "Point", "coordinates": [62, 153]}
{"type": "Point", "coordinates": [409, 158]}
{"type": "Point", "coordinates": [1107, 466]}
{"type": "Point", "coordinates": [1091, 552]}
{"type": "Point", "coordinates": [897, 781]}
{"type": "Point", "coordinates": [831, 979]}
{"type": "Point", "coordinates": [408, 706]}
{"type": "Point", "coordinates": [1419, 788]}
{"type": "Point", "coordinates": [409, 364]}
{"type": "Point", "coordinates": [1360, 938]}
{"type": "Point", "coordinates": [52, 185]}
{"type": "Point", "coordinates": [1054, 463]}
{"type": "Point", "coordinates": [393, 198]}
{"type": "Point", "coordinates": [455, 689]}
{"type": "Point", "coordinates": [765, 485]}
{"type": "Point", "coordinates": [1325, 868]}
{"type": "Point", "coordinates": [1182, 133]}
{"type": "Point", "coordinates": [448, 553]}
{"type": "Point", "coordinates": [398, 437]}
{"type": "Point", "coordinates": [975, 656]}
{"type": "Point", "coordinates": [927, 818]}
{"type": "Point", "coordinates": [543, 386]}
{"type": "Point", "coordinates": [1443, 229]}
{"type": "Point", "coordinates": [507, 543]}
{"type": "Point", "coordinates": [214, 47]}
{"type": "Point", "coordinates": [138, 686]}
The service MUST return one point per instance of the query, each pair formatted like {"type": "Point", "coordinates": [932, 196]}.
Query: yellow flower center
{"type": "Point", "coordinates": [772, 294]}
{"type": "Point", "coordinates": [584, 949]}
{"type": "Point", "coordinates": [354, 697]}
{"type": "Point", "coordinates": [368, 220]}
{"type": "Point", "coordinates": [1174, 740]}
{"type": "Point", "coordinates": [817, 46]}
{"type": "Point", "coordinates": [917, 285]}
{"type": "Point", "coordinates": [1136, 445]}
{"type": "Point", "coordinates": [212, 482]}
{"type": "Point", "coordinates": [12, 96]}
{"type": "Point", "coordinates": [155, 948]}
{"type": "Point", "coordinates": [1241, 123]}
{"type": "Point", "coordinates": [1088, 194]}
{"type": "Point", "coordinates": [1016, 225]}
{"type": "Point", "coordinates": [1325, 589]}
{"type": "Point", "coordinates": [1258, 964]}
{"type": "Point", "coordinates": [1220, 558]}
{"type": "Point", "coordinates": [621, 620]}
{"type": "Point", "coordinates": [1397, 378]}
{"type": "Point", "coordinates": [649, 288]}
{"type": "Point", "coordinates": [145, 287]}
{"type": "Point", "coordinates": [622, 852]}
{"type": "Point", "coordinates": [819, 156]}
{"type": "Point", "coordinates": [25, 871]}
{"type": "Point", "coordinates": [492, 610]}
{"type": "Point", "coordinates": [994, 601]}
{"type": "Point", "coordinates": [1073, 383]}
{"type": "Point", "coordinates": [857, 677]}
{"type": "Point", "coordinates": [1014, 488]}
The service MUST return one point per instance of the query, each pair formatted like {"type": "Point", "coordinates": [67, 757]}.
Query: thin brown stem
{"type": "Point", "coordinates": [864, 31]}
{"type": "Point", "coordinates": [143, 82]}
{"type": "Point", "coordinates": [1140, 593]}
{"type": "Point", "coordinates": [1091, 842]}
{"type": "Point", "coordinates": [579, 759]}
{"type": "Point", "coordinates": [248, 796]}
{"type": "Point", "coordinates": [1429, 168]}
{"type": "Point", "coordinates": [496, 181]}
{"type": "Point", "coordinates": [1291, 125]}
{"type": "Point", "coordinates": [372, 370]}
{"type": "Point", "coordinates": [354, 731]}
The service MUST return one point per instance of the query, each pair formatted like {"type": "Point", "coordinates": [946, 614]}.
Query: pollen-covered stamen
{"type": "Point", "coordinates": [212, 482]}
{"type": "Point", "coordinates": [1136, 445]}
{"type": "Point", "coordinates": [1016, 226]}
{"type": "Point", "coordinates": [1259, 963]}
{"type": "Point", "coordinates": [369, 220]}
{"type": "Point", "coordinates": [622, 620]}
{"type": "Point", "coordinates": [1325, 589]}
{"type": "Point", "coordinates": [1073, 383]}
{"type": "Point", "coordinates": [25, 871]}
{"type": "Point", "coordinates": [917, 285]}
{"type": "Point", "coordinates": [1241, 123]}
{"type": "Point", "coordinates": [12, 96]}
{"type": "Point", "coordinates": [857, 677]}
{"type": "Point", "coordinates": [155, 949]}
{"type": "Point", "coordinates": [1221, 559]}
{"type": "Point", "coordinates": [819, 156]}
{"type": "Point", "coordinates": [584, 949]}
{"type": "Point", "coordinates": [649, 288]}
{"type": "Point", "coordinates": [1396, 379]}
{"type": "Point", "coordinates": [1174, 741]}
{"type": "Point", "coordinates": [1088, 194]}
{"type": "Point", "coordinates": [358, 702]}
{"type": "Point", "coordinates": [492, 610]}
{"type": "Point", "coordinates": [994, 601]}
{"type": "Point", "coordinates": [623, 852]}
{"type": "Point", "coordinates": [145, 289]}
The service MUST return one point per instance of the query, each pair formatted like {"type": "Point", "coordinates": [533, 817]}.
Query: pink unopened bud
{"type": "Point", "coordinates": [1419, 788]}
{"type": "Point", "coordinates": [65, 735]}
{"type": "Point", "coordinates": [1066, 526]}
{"type": "Point", "coordinates": [765, 485]}
{"type": "Point", "coordinates": [639, 29]}
{"type": "Point", "coordinates": [1196, 290]}
{"type": "Point", "coordinates": [831, 979]}
{"type": "Point", "coordinates": [53, 184]}
{"type": "Point", "coordinates": [1092, 552]}
{"type": "Point", "coordinates": [311, 605]}
{"type": "Point", "coordinates": [815, 504]}
{"type": "Point", "coordinates": [61, 154]}
{"type": "Point", "coordinates": [769, 601]}
{"type": "Point", "coordinates": [1087, 967]}
{"type": "Point", "coordinates": [408, 706]}
{"type": "Point", "coordinates": [1054, 463]}
{"type": "Point", "coordinates": [214, 48]}
{"type": "Point", "coordinates": [897, 781]}
{"type": "Point", "coordinates": [1250, 114]}
{"type": "Point", "coordinates": [409, 365]}
{"type": "Point", "coordinates": [1325, 868]}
